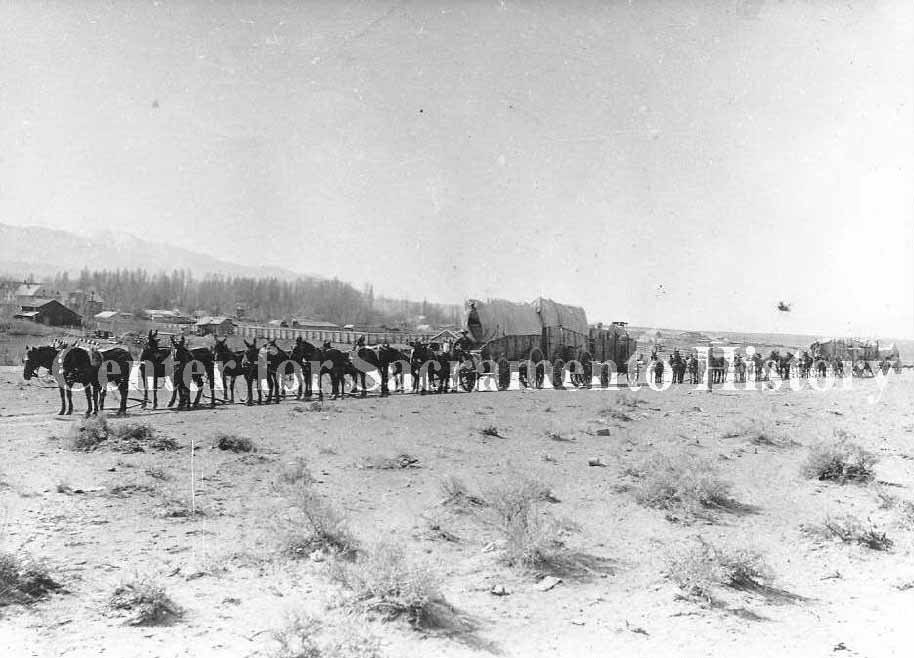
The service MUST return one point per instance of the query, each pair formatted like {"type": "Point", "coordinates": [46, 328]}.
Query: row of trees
{"type": "Point", "coordinates": [263, 299]}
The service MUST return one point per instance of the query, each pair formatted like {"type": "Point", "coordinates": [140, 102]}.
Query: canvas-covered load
{"type": "Point", "coordinates": [497, 317]}
{"type": "Point", "coordinates": [888, 351]}
{"type": "Point", "coordinates": [554, 314]}
{"type": "Point", "coordinates": [846, 349]}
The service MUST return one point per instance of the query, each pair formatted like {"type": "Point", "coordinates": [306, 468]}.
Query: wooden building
{"type": "Point", "coordinates": [49, 312]}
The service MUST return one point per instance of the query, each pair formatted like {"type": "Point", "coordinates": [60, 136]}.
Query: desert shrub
{"type": "Point", "coordinates": [136, 437]}
{"type": "Point", "coordinates": [850, 530]}
{"type": "Point", "coordinates": [312, 524]}
{"type": "Point", "coordinates": [385, 582]}
{"type": "Point", "coordinates": [296, 473]}
{"type": "Point", "coordinates": [680, 481]}
{"type": "Point", "coordinates": [157, 473]}
{"type": "Point", "coordinates": [402, 460]}
{"type": "Point", "coordinates": [839, 460]}
{"type": "Point", "coordinates": [455, 492]}
{"type": "Point", "coordinates": [703, 567]}
{"type": "Point", "coordinates": [303, 637]}
{"type": "Point", "coordinates": [489, 430]}
{"type": "Point", "coordinates": [23, 580]}
{"type": "Point", "coordinates": [89, 433]}
{"type": "Point", "coordinates": [234, 443]}
{"type": "Point", "coordinates": [147, 603]}
{"type": "Point", "coordinates": [533, 539]}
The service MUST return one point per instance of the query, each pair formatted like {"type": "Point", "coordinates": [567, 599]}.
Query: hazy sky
{"type": "Point", "coordinates": [684, 164]}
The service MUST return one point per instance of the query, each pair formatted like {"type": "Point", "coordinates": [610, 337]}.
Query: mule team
{"type": "Point", "coordinates": [94, 369]}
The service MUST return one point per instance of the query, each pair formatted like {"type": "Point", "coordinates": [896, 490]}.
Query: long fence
{"type": "Point", "coordinates": [311, 335]}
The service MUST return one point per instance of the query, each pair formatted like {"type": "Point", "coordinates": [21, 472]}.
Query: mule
{"type": "Point", "coordinates": [184, 372]}
{"type": "Point", "coordinates": [162, 366]}
{"type": "Point", "coordinates": [231, 366]}
{"type": "Point", "coordinates": [250, 369]}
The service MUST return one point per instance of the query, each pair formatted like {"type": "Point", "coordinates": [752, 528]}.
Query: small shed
{"type": "Point", "coordinates": [49, 312]}
{"type": "Point", "coordinates": [218, 325]}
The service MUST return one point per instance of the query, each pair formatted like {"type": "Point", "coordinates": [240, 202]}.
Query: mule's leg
{"type": "Point", "coordinates": [250, 384]}
{"type": "Point", "coordinates": [69, 399]}
{"type": "Point", "coordinates": [142, 376]}
{"type": "Point", "coordinates": [63, 401]}
{"type": "Point", "coordinates": [90, 392]}
{"type": "Point", "coordinates": [363, 376]}
{"type": "Point", "coordinates": [123, 387]}
{"type": "Point", "coordinates": [198, 381]}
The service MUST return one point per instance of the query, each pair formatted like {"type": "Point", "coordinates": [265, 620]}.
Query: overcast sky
{"type": "Point", "coordinates": [676, 164]}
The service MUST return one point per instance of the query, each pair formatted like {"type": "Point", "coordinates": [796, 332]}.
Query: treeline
{"type": "Point", "coordinates": [263, 299]}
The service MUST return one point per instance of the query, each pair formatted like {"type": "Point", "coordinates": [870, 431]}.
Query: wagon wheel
{"type": "Point", "coordinates": [504, 374]}
{"type": "Point", "coordinates": [558, 373]}
{"type": "Point", "coordinates": [583, 379]}
{"type": "Point", "coordinates": [467, 376]}
{"type": "Point", "coordinates": [539, 374]}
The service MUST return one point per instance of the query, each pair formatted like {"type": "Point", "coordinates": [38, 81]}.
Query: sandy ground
{"type": "Point", "coordinates": [225, 566]}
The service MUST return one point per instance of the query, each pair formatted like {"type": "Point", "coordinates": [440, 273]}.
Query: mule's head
{"type": "Point", "coordinates": [251, 351]}
{"type": "Point", "coordinates": [30, 363]}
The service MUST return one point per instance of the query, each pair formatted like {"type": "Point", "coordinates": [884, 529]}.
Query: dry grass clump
{"type": "Point", "coordinates": [234, 443]}
{"type": "Point", "coordinates": [385, 582]}
{"type": "Point", "coordinates": [455, 493]}
{"type": "Point", "coordinates": [679, 481]}
{"type": "Point", "coordinates": [23, 580]}
{"type": "Point", "coordinates": [402, 460]}
{"type": "Point", "coordinates": [840, 460]}
{"type": "Point", "coordinates": [759, 432]}
{"type": "Point", "coordinates": [490, 430]}
{"type": "Point", "coordinates": [137, 437]}
{"type": "Point", "coordinates": [532, 538]}
{"type": "Point", "coordinates": [147, 603]}
{"type": "Point", "coordinates": [296, 473]}
{"type": "Point", "coordinates": [850, 530]}
{"type": "Point", "coordinates": [312, 524]}
{"type": "Point", "coordinates": [304, 637]}
{"type": "Point", "coordinates": [89, 433]}
{"type": "Point", "coordinates": [703, 567]}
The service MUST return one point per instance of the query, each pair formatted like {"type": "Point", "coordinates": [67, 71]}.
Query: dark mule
{"type": "Point", "coordinates": [187, 363]}
{"type": "Point", "coordinates": [678, 367]}
{"type": "Point", "coordinates": [305, 354]}
{"type": "Point", "coordinates": [158, 358]}
{"type": "Point", "coordinates": [422, 364]}
{"type": "Point", "coordinates": [279, 365]}
{"type": "Point", "coordinates": [114, 368]}
{"type": "Point", "coordinates": [231, 366]}
{"type": "Point", "coordinates": [380, 358]}
{"type": "Point", "coordinates": [335, 363]}
{"type": "Point", "coordinates": [250, 369]}
{"type": "Point", "coordinates": [45, 356]}
{"type": "Point", "coordinates": [78, 366]}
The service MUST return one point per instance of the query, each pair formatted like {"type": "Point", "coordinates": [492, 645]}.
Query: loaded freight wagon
{"type": "Point", "coordinates": [543, 333]}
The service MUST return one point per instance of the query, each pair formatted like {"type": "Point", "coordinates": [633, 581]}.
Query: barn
{"type": "Point", "coordinates": [218, 325]}
{"type": "Point", "coordinates": [49, 312]}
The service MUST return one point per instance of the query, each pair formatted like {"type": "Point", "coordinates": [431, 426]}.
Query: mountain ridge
{"type": "Point", "coordinates": [58, 250]}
